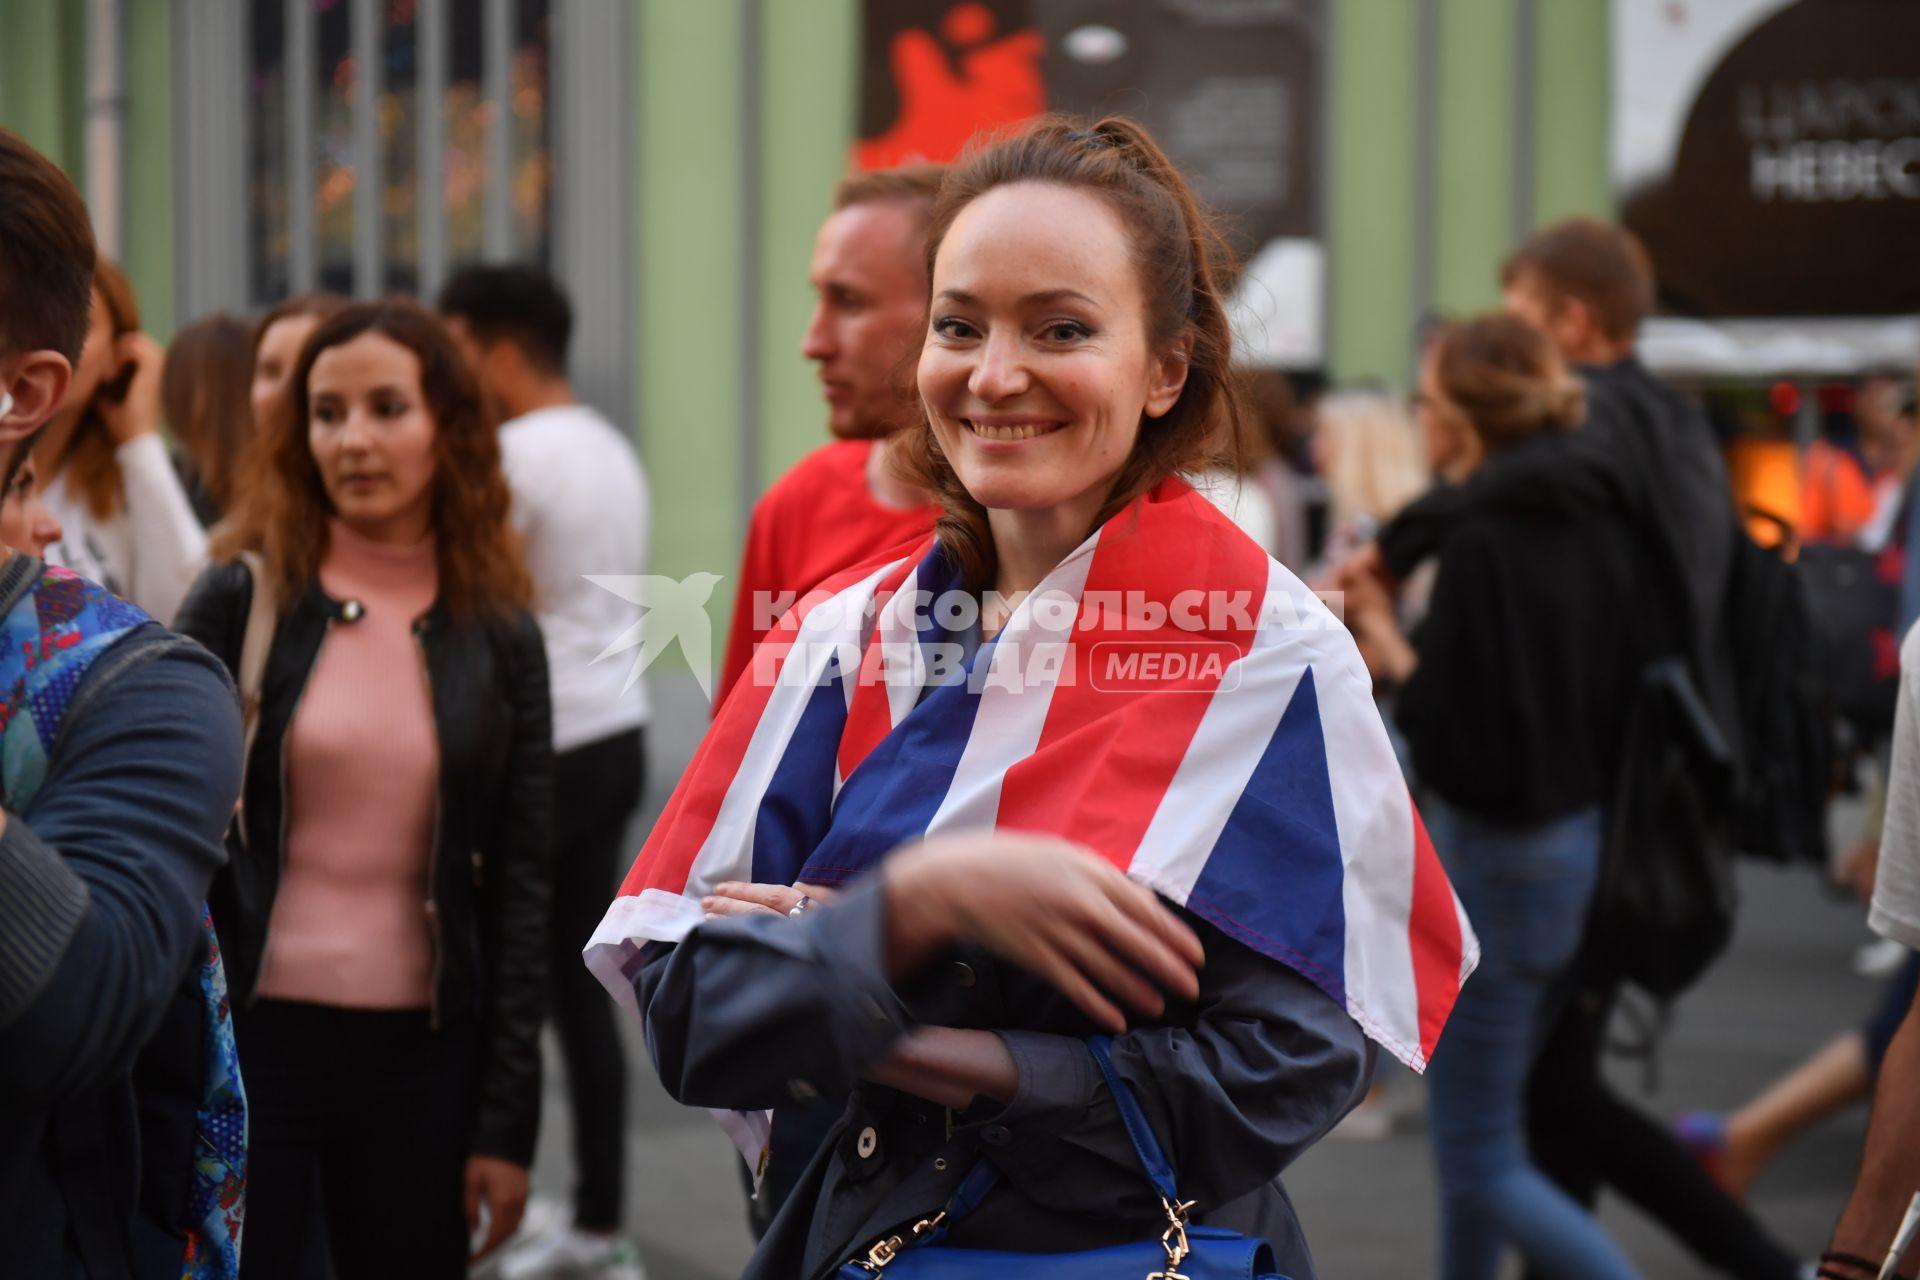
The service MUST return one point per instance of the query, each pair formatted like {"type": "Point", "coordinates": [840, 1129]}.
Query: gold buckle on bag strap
{"type": "Point", "coordinates": [889, 1248]}
{"type": "Point", "coordinates": [1174, 1240]}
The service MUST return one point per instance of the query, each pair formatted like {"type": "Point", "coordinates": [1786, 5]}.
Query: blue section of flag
{"type": "Point", "coordinates": [892, 797]}
{"type": "Point", "coordinates": [1284, 818]}
{"type": "Point", "coordinates": [799, 801]}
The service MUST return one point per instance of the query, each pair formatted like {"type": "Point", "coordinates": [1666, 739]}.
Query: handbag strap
{"type": "Point", "coordinates": [1152, 1159]}
{"type": "Point", "coordinates": [984, 1175]}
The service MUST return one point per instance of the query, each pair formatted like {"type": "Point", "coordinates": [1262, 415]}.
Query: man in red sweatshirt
{"type": "Point", "coordinates": [841, 504]}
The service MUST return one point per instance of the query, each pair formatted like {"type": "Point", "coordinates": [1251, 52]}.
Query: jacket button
{"type": "Point", "coordinates": [996, 1135]}
{"type": "Point", "coordinates": [868, 1143]}
{"type": "Point", "coordinates": [963, 974]}
{"type": "Point", "coordinates": [802, 1091]}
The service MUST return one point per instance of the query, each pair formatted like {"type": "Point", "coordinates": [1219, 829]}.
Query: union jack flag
{"type": "Point", "coordinates": [1168, 696]}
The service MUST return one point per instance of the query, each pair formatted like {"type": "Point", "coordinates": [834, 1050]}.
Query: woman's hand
{"type": "Point", "coordinates": [502, 1186]}
{"type": "Point", "coordinates": [138, 412]}
{"type": "Point", "coordinates": [734, 898]}
{"type": "Point", "coordinates": [1055, 908]}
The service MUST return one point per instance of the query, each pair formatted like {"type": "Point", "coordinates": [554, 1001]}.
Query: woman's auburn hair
{"type": "Point", "coordinates": [1505, 380]}
{"type": "Point", "coordinates": [1185, 265]}
{"type": "Point", "coordinates": [283, 506]}
{"type": "Point", "coordinates": [92, 464]}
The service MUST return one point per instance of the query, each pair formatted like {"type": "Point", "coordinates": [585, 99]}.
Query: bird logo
{"type": "Point", "coordinates": [671, 609]}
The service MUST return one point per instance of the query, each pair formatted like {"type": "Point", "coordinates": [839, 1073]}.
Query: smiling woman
{"type": "Point", "coordinates": [1201, 845]}
{"type": "Point", "coordinates": [1113, 344]}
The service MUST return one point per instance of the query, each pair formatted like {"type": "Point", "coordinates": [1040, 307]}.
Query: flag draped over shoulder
{"type": "Point", "coordinates": [1168, 696]}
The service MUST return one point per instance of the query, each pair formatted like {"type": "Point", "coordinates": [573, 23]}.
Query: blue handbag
{"type": "Point", "coordinates": [1182, 1252]}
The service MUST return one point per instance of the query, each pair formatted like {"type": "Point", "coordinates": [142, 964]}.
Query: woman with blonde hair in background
{"type": "Point", "coordinates": [1374, 460]}
{"type": "Point", "coordinates": [107, 476]}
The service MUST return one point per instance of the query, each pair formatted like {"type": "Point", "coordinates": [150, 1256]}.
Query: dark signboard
{"type": "Point", "coordinates": [1792, 184]}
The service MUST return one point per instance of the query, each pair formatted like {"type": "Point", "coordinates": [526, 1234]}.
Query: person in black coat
{"type": "Point", "coordinates": [1513, 705]}
{"type": "Point", "coordinates": [385, 910]}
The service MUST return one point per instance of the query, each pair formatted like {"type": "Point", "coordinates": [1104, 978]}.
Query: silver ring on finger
{"type": "Point", "coordinates": [793, 912]}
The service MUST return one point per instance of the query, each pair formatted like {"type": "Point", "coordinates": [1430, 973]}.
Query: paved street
{"type": "Point", "coordinates": [1369, 1207]}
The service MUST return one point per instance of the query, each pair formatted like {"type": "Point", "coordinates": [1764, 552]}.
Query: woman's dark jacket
{"type": "Point", "coordinates": [1533, 644]}
{"type": "Point", "coordinates": [765, 1011]}
{"type": "Point", "coordinates": [492, 859]}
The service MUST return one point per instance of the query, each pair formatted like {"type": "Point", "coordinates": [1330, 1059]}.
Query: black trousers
{"type": "Point", "coordinates": [1582, 1135]}
{"type": "Point", "coordinates": [596, 790]}
{"type": "Point", "coordinates": [365, 1112]}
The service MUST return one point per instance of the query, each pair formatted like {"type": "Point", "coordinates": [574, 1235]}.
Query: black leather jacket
{"type": "Point", "coordinates": [492, 860]}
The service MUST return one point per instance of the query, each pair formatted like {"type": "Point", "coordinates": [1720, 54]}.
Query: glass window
{"type": "Point", "coordinates": [463, 119]}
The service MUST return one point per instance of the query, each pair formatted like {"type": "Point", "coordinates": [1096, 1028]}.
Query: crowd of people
{"type": "Point", "coordinates": [316, 791]}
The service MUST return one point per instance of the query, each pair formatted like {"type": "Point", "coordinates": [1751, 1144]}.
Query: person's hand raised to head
{"type": "Point", "coordinates": [1053, 907]}
{"type": "Point", "coordinates": [138, 412]}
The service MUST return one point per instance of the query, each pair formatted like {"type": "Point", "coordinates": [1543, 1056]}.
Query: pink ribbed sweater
{"type": "Point", "coordinates": [350, 922]}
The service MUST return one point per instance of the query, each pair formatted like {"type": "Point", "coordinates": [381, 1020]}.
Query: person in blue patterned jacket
{"type": "Point", "coordinates": [119, 767]}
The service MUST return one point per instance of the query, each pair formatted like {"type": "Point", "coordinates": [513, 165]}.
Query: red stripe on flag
{"type": "Point", "coordinates": [1433, 929]}
{"type": "Point", "coordinates": [870, 716]}
{"type": "Point", "coordinates": [1106, 754]}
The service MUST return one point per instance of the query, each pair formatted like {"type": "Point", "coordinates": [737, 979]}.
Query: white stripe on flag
{"type": "Point", "coordinates": [1012, 713]}
{"type": "Point", "coordinates": [835, 625]}
{"type": "Point", "coordinates": [1374, 815]}
{"type": "Point", "coordinates": [1240, 720]}
{"type": "Point", "coordinates": [905, 666]}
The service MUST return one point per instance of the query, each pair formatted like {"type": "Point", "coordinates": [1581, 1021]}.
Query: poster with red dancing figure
{"type": "Point", "coordinates": [969, 69]}
{"type": "Point", "coordinates": [1232, 88]}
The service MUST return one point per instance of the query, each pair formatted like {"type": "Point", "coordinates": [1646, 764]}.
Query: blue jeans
{"type": "Point", "coordinates": [1526, 890]}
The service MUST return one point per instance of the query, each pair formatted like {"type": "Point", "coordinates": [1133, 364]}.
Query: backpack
{"type": "Point", "coordinates": [1785, 739]}
{"type": "Point", "coordinates": [1663, 904]}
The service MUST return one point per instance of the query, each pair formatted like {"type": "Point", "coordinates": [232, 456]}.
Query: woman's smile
{"type": "Point", "coordinates": [1003, 429]}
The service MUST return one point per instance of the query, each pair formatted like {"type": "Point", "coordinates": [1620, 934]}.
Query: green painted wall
{"type": "Point", "coordinates": [688, 306]}
{"type": "Point", "coordinates": [1472, 226]}
{"type": "Point", "coordinates": [1371, 215]}
{"type": "Point", "coordinates": [809, 59]}
{"type": "Point", "coordinates": [1571, 96]}
{"type": "Point", "coordinates": [38, 98]}
{"type": "Point", "coordinates": [146, 224]}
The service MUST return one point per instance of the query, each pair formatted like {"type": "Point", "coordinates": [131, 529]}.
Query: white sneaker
{"type": "Point", "coordinates": [569, 1254]}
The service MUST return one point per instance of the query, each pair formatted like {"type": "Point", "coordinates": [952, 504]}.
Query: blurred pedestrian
{"type": "Point", "coordinates": [843, 503]}
{"type": "Point", "coordinates": [580, 503]}
{"type": "Point", "coordinates": [1374, 459]}
{"type": "Point", "coordinates": [1890, 1168]}
{"type": "Point", "coordinates": [205, 397]}
{"type": "Point", "coordinates": [1078, 361]}
{"type": "Point", "coordinates": [1512, 702]}
{"type": "Point", "coordinates": [125, 519]}
{"type": "Point", "coordinates": [386, 910]}
{"type": "Point", "coordinates": [278, 335]}
{"type": "Point", "coordinates": [1252, 479]}
{"type": "Point", "coordinates": [121, 1144]}
{"type": "Point", "coordinates": [1588, 286]}
{"type": "Point", "coordinates": [25, 522]}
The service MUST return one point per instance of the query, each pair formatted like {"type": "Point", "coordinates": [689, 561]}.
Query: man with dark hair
{"type": "Point", "coordinates": [119, 775]}
{"type": "Point", "coordinates": [842, 504]}
{"type": "Point", "coordinates": [580, 502]}
{"type": "Point", "coordinates": [511, 313]}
